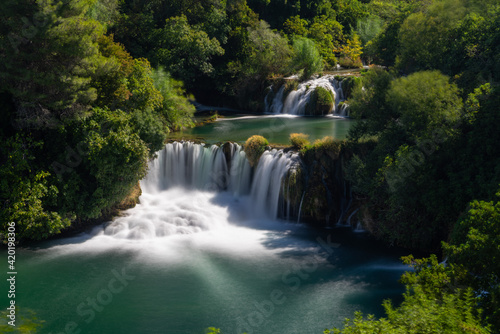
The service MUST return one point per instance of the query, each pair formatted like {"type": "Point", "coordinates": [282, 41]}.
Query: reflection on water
{"type": "Point", "coordinates": [238, 272]}
{"type": "Point", "coordinates": [276, 128]}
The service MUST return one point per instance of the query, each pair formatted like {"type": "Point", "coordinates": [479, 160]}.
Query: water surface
{"type": "Point", "coordinates": [276, 128]}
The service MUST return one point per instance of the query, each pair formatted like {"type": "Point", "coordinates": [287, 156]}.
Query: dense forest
{"type": "Point", "coordinates": [90, 90]}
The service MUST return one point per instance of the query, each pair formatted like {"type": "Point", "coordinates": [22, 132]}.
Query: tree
{"type": "Point", "coordinates": [48, 58]}
{"type": "Point", "coordinates": [327, 34]}
{"type": "Point", "coordinates": [432, 304]}
{"type": "Point", "coordinates": [25, 193]}
{"type": "Point", "coordinates": [175, 109]}
{"type": "Point", "coordinates": [185, 50]}
{"type": "Point", "coordinates": [475, 245]}
{"type": "Point", "coordinates": [103, 160]}
{"type": "Point", "coordinates": [351, 52]}
{"type": "Point", "coordinates": [369, 27]}
{"type": "Point", "coordinates": [306, 57]}
{"type": "Point", "coordinates": [414, 129]}
{"type": "Point", "coordinates": [295, 26]}
{"type": "Point", "coordinates": [424, 36]}
{"type": "Point", "coordinates": [425, 102]}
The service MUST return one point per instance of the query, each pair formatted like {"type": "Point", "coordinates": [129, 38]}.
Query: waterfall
{"type": "Point", "coordinates": [297, 100]}
{"type": "Point", "coordinates": [195, 166]}
{"type": "Point", "coordinates": [276, 105]}
{"type": "Point", "coordinates": [266, 189]}
{"type": "Point", "coordinates": [187, 178]}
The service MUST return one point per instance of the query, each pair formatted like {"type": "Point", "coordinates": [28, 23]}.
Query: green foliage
{"type": "Point", "coordinates": [143, 94]}
{"type": "Point", "coordinates": [48, 69]}
{"type": "Point", "coordinates": [110, 158]}
{"type": "Point", "coordinates": [425, 102]}
{"type": "Point", "coordinates": [325, 31]}
{"type": "Point", "coordinates": [212, 330]}
{"type": "Point", "coordinates": [348, 85]}
{"type": "Point", "coordinates": [369, 27]}
{"type": "Point", "coordinates": [150, 129]}
{"type": "Point", "coordinates": [327, 35]}
{"type": "Point", "coordinates": [269, 53]}
{"type": "Point", "coordinates": [184, 49]}
{"type": "Point", "coordinates": [254, 147]}
{"type": "Point", "coordinates": [348, 13]}
{"type": "Point", "coordinates": [383, 48]}
{"type": "Point", "coordinates": [104, 11]}
{"type": "Point", "coordinates": [423, 36]}
{"type": "Point", "coordinates": [25, 192]}
{"type": "Point", "coordinates": [427, 307]}
{"type": "Point", "coordinates": [27, 322]}
{"type": "Point", "coordinates": [327, 146]}
{"type": "Point", "coordinates": [306, 57]}
{"type": "Point", "coordinates": [368, 103]}
{"type": "Point", "coordinates": [351, 52]}
{"type": "Point", "coordinates": [412, 126]}
{"type": "Point", "coordinates": [295, 26]}
{"type": "Point", "coordinates": [111, 81]}
{"type": "Point", "coordinates": [299, 140]}
{"type": "Point", "coordinates": [175, 108]}
{"type": "Point", "coordinates": [474, 245]}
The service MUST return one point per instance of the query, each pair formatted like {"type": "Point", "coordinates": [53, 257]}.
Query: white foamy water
{"type": "Point", "coordinates": [296, 101]}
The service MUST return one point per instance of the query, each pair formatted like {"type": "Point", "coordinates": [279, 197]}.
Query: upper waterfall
{"type": "Point", "coordinates": [299, 101]}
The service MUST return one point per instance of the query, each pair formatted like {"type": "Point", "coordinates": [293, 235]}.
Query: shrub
{"type": "Point", "coordinates": [254, 147]}
{"type": "Point", "coordinates": [299, 140]}
{"type": "Point", "coordinates": [324, 150]}
{"type": "Point", "coordinates": [306, 57]}
{"type": "Point", "coordinates": [328, 145]}
{"type": "Point", "coordinates": [347, 62]}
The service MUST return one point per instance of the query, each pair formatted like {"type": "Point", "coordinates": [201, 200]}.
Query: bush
{"type": "Point", "coordinates": [254, 147]}
{"type": "Point", "coordinates": [432, 304]}
{"type": "Point", "coordinates": [325, 149]}
{"type": "Point", "coordinates": [299, 140]}
{"type": "Point", "coordinates": [348, 85]}
{"type": "Point", "coordinates": [307, 57]}
{"type": "Point", "coordinates": [327, 145]}
{"type": "Point", "coordinates": [347, 62]}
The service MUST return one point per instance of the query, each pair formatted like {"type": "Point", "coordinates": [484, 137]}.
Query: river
{"type": "Point", "coordinates": [190, 256]}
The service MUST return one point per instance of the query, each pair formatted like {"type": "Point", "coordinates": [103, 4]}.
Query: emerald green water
{"type": "Point", "coordinates": [273, 279]}
{"type": "Point", "coordinates": [232, 270]}
{"type": "Point", "coordinates": [276, 129]}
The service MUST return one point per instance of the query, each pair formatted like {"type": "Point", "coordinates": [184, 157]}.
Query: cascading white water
{"type": "Point", "coordinates": [297, 100]}
{"type": "Point", "coordinates": [187, 165]}
{"type": "Point", "coordinates": [276, 105]}
{"type": "Point", "coordinates": [186, 177]}
{"type": "Point", "coordinates": [273, 166]}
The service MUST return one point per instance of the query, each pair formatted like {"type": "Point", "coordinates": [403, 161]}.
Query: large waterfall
{"type": "Point", "coordinates": [186, 177]}
{"type": "Point", "coordinates": [296, 102]}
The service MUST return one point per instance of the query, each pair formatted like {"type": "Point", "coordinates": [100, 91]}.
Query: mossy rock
{"type": "Point", "coordinates": [320, 103]}
{"type": "Point", "coordinates": [299, 140]}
